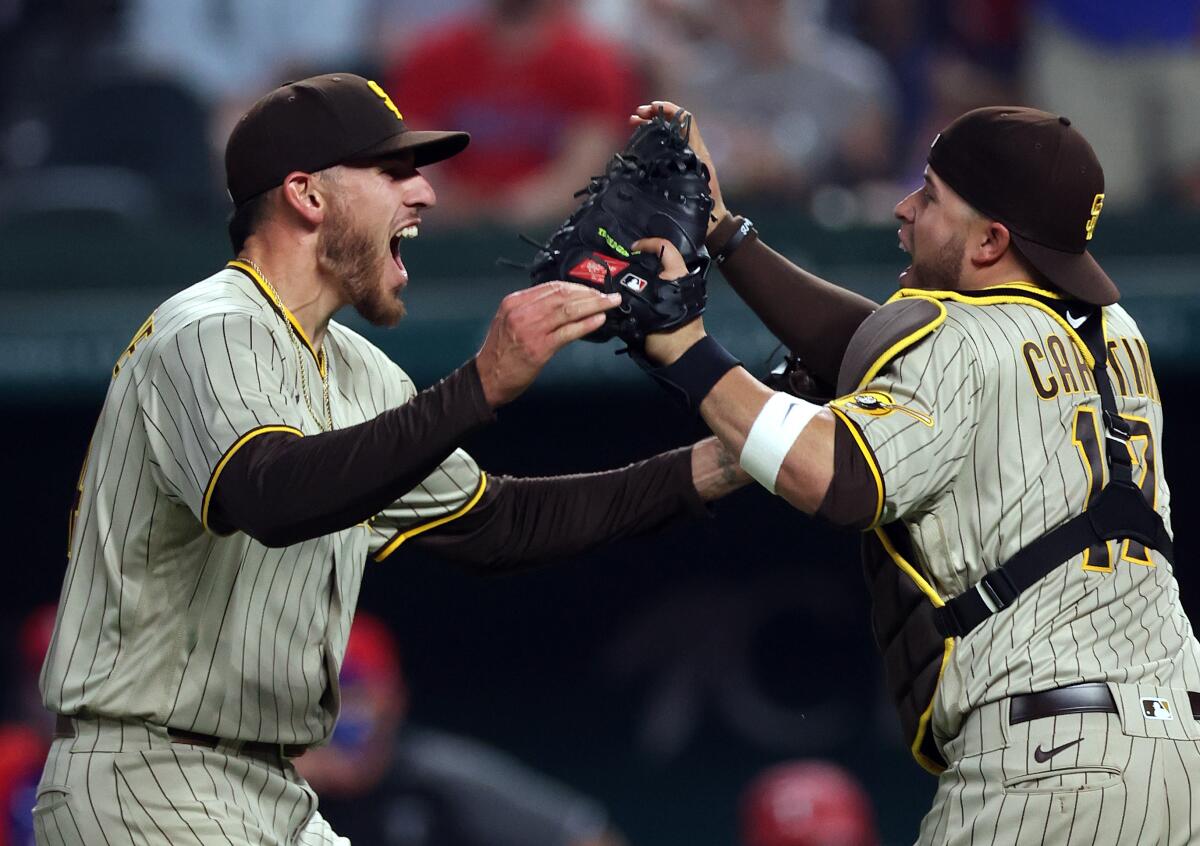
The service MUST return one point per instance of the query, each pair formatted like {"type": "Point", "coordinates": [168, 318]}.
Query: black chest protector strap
{"type": "Point", "coordinates": [1120, 511]}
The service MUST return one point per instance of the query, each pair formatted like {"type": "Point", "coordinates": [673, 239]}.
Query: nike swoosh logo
{"type": "Point", "coordinates": [1043, 756]}
{"type": "Point", "coordinates": [1076, 322]}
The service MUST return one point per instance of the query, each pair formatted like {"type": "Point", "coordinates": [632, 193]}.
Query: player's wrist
{"type": "Point", "coordinates": [716, 217]}
{"type": "Point", "coordinates": [689, 376]}
{"type": "Point", "coordinates": [665, 348]}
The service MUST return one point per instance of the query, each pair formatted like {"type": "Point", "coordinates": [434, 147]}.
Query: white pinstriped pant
{"type": "Point", "coordinates": [1097, 778]}
{"type": "Point", "coordinates": [127, 784]}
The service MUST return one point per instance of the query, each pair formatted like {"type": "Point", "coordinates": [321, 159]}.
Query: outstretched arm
{"type": "Point", "coordinates": [281, 488]}
{"type": "Point", "coordinates": [525, 521]}
{"type": "Point", "coordinates": [813, 317]}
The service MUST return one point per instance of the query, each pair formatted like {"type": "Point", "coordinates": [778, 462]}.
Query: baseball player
{"type": "Point", "coordinates": [252, 453]}
{"type": "Point", "coordinates": [996, 432]}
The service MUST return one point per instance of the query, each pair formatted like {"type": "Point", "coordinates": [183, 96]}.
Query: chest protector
{"type": "Point", "coordinates": [915, 629]}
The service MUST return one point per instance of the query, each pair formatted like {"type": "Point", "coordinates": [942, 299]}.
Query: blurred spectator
{"type": "Point", "coordinates": [544, 97]}
{"type": "Point", "coordinates": [386, 783]}
{"type": "Point", "coordinates": [807, 803]}
{"type": "Point", "coordinates": [46, 48]}
{"type": "Point", "coordinates": [1128, 75]}
{"type": "Point", "coordinates": [949, 56]}
{"type": "Point", "coordinates": [225, 52]}
{"type": "Point", "coordinates": [786, 103]}
{"type": "Point", "coordinates": [25, 739]}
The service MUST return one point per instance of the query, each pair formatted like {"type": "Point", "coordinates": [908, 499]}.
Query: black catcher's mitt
{"type": "Point", "coordinates": [656, 186]}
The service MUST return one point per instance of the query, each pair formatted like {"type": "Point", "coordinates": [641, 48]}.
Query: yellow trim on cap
{"type": "Point", "coordinates": [399, 538]}
{"type": "Point", "coordinates": [238, 444]}
{"type": "Point", "coordinates": [926, 763]}
{"type": "Point", "coordinates": [870, 456]}
{"type": "Point", "coordinates": [319, 357]}
{"type": "Point", "coordinates": [1002, 299]}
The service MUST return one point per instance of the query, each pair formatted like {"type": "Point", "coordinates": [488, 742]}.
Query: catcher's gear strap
{"type": "Point", "coordinates": [771, 436]}
{"type": "Point", "coordinates": [691, 376]}
{"type": "Point", "coordinates": [814, 318]}
{"type": "Point", "coordinates": [885, 334]}
{"type": "Point", "coordinates": [856, 492]}
{"type": "Point", "coordinates": [503, 533]}
{"type": "Point", "coordinates": [914, 654]}
{"type": "Point", "coordinates": [1120, 511]}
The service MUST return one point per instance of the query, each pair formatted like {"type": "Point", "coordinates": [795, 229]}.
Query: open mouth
{"type": "Point", "coordinates": [397, 239]}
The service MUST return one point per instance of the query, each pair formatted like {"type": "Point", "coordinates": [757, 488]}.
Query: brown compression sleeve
{"type": "Point", "coordinates": [853, 493]}
{"type": "Point", "coordinates": [814, 318]}
{"type": "Point", "coordinates": [282, 489]}
{"type": "Point", "coordinates": [533, 520]}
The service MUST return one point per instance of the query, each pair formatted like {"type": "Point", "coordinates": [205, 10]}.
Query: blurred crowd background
{"type": "Point", "coordinates": [713, 684]}
{"type": "Point", "coordinates": [828, 105]}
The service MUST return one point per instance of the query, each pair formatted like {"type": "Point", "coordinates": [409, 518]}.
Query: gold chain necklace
{"type": "Point", "coordinates": [326, 424]}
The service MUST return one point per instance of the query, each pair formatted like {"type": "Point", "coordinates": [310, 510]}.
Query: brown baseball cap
{"type": "Point", "coordinates": [1033, 172]}
{"type": "Point", "coordinates": [319, 122]}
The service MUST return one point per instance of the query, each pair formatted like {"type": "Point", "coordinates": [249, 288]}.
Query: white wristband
{"type": "Point", "coordinates": [774, 431]}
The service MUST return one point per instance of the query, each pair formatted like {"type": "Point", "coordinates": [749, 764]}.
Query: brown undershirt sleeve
{"type": "Point", "coordinates": [814, 318]}
{"type": "Point", "coordinates": [853, 492]}
{"type": "Point", "coordinates": [282, 489]}
{"type": "Point", "coordinates": [531, 520]}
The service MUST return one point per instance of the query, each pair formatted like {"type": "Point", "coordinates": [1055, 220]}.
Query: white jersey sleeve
{"type": "Point", "coordinates": [208, 389]}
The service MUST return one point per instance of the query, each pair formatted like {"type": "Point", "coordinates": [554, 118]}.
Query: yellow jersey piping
{"type": "Point", "coordinates": [947, 647]}
{"type": "Point", "coordinates": [283, 310]}
{"type": "Point", "coordinates": [400, 537]}
{"type": "Point", "coordinates": [870, 456]}
{"type": "Point", "coordinates": [1002, 299]}
{"type": "Point", "coordinates": [238, 444]}
{"type": "Point", "coordinates": [903, 344]}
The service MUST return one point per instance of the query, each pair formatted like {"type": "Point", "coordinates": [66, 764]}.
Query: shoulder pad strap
{"type": "Point", "coordinates": [889, 331]}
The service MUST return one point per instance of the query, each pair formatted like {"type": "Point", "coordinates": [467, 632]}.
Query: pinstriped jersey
{"type": "Point", "coordinates": [984, 434]}
{"type": "Point", "coordinates": [164, 620]}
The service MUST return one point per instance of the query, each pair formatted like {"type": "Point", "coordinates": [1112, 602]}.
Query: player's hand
{"type": "Point", "coordinates": [665, 347]}
{"type": "Point", "coordinates": [530, 326]}
{"type": "Point", "coordinates": [644, 113]}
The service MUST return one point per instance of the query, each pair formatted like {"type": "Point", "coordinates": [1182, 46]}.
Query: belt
{"type": "Point", "coordinates": [64, 726]}
{"type": "Point", "coordinates": [1086, 698]}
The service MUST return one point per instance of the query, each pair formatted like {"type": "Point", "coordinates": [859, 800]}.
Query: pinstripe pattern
{"type": "Point", "coordinates": [161, 620]}
{"type": "Point", "coordinates": [1000, 466]}
{"type": "Point", "coordinates": [1128, 782]}
{"type": "Point", "coordinates": [120, 783]}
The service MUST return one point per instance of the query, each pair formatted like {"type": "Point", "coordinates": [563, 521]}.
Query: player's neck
{"type": "Point", "coordinates": [293, 275]}
{"type": "Point", "coordinates": [1001, 273]}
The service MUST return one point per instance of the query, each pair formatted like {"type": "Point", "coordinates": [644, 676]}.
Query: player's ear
{"type": "Point", "coordinates": [991, 243]}
{"type": "Point", "coordinates": [304, 195]}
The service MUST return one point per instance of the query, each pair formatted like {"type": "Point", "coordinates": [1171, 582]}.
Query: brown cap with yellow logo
{"type": "Point", "coordinates": [1033, 172]}
{"type": "Point", "coordinates": [320, 122]}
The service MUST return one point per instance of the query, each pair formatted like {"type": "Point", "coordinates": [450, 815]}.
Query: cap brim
{"type": "Point", "coordinates": [1076, 273]}
{"type": "Point", "coordinates": [427, 146]}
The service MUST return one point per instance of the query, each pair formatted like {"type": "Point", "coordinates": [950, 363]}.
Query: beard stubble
{"type": "Point", "coordinates": [356, 260]}
{"type": "Point", "coordinates": [943, 270]}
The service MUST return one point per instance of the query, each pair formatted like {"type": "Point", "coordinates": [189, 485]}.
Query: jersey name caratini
{"type": "Point", "coordinates": [984, 433]}
{"type": "Point", "coordinates": [162, 619]}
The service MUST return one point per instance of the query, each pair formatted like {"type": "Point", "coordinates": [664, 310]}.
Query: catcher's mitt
{"type": "Point", "coordinates": [658, 187]}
